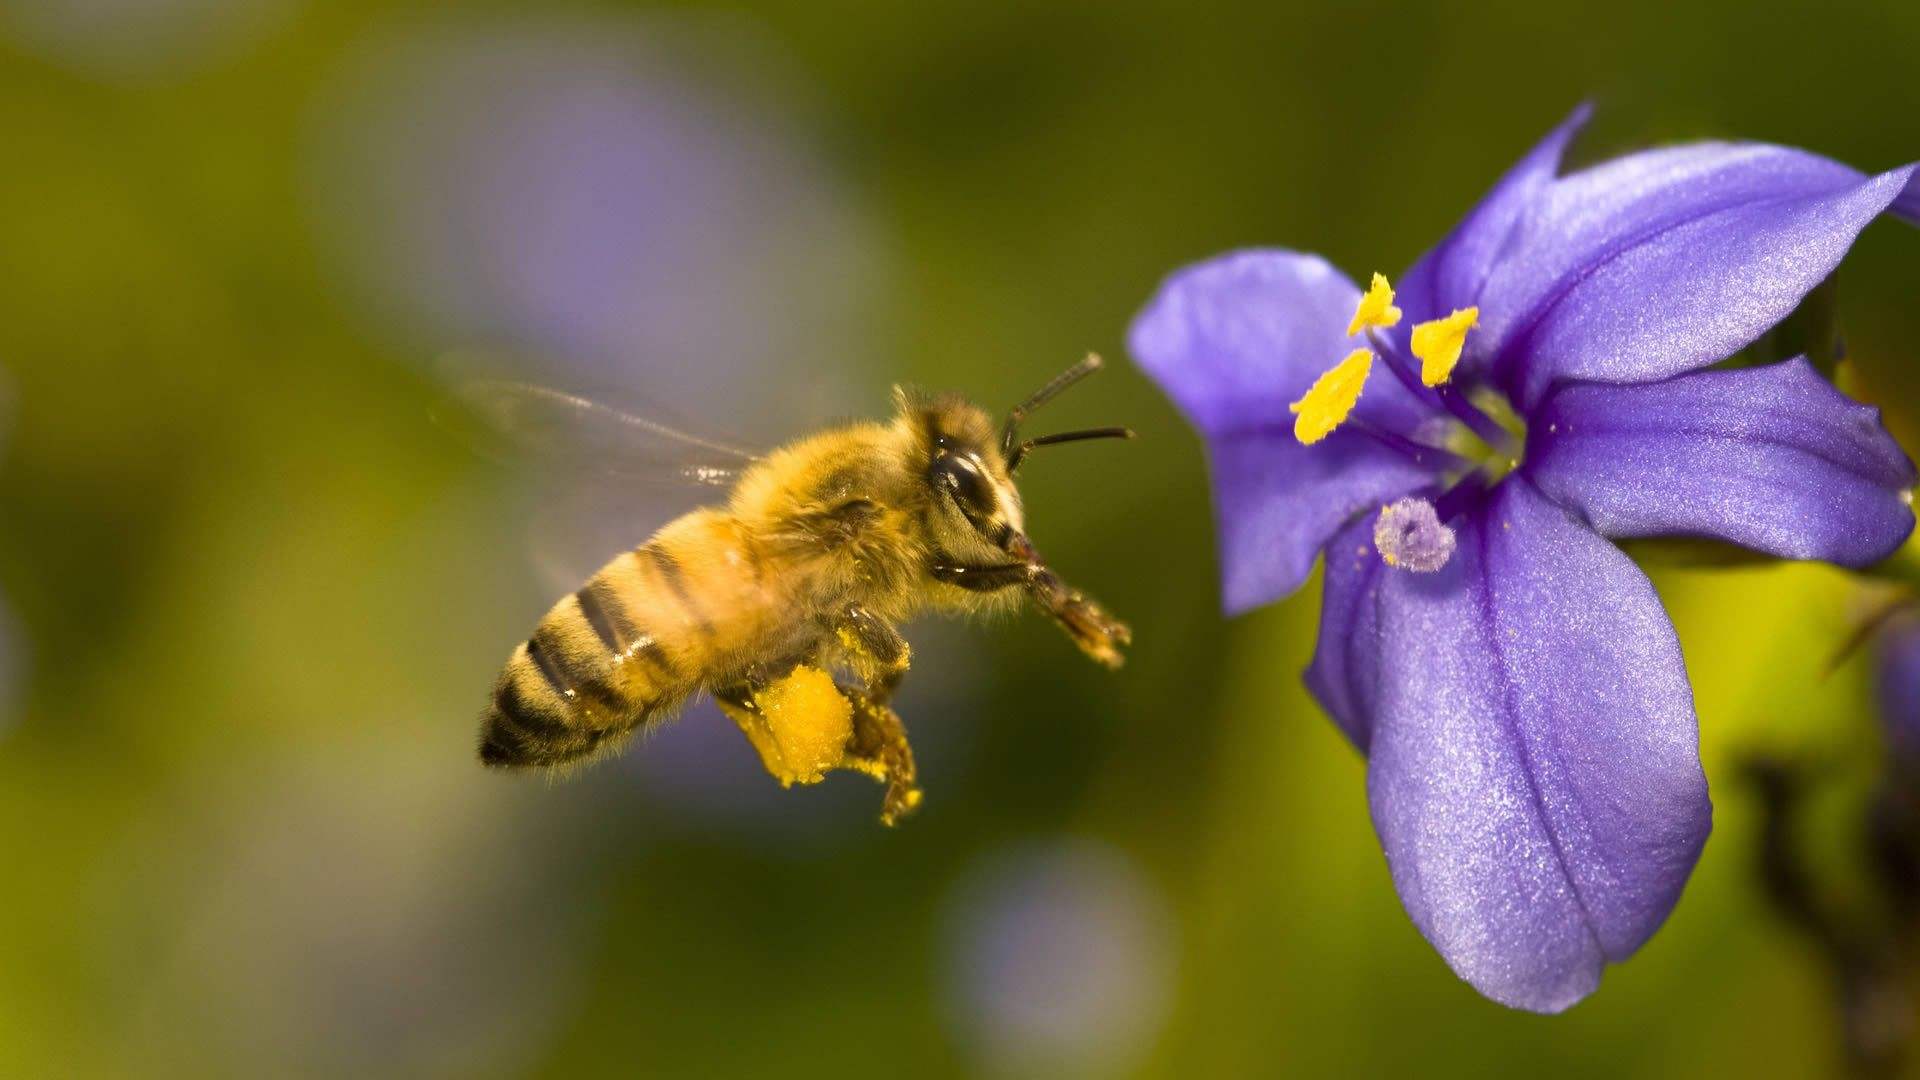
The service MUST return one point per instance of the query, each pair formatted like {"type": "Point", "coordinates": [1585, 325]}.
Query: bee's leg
{"type": "Point", "coordinates": [880, 749]}
{"type": "Point", "coordinates": [982, 578]}
{"type": "Point", "coordinates": [739, 703]}
{"type": "Point", "coordinates": [879, 746]}
{"type": "Point", "coordinates": [883, 654]}
{"type": "Point", "coordinates": [1098, 634]}
{"type": "Point", "coordinates": [801, 723]}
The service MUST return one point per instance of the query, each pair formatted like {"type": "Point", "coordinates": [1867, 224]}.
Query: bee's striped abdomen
{"type": "Point", "coordinates": [592, 671]}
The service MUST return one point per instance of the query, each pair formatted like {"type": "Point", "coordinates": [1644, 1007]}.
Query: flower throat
{"type": "Point", "coordinates": [1484, 444]}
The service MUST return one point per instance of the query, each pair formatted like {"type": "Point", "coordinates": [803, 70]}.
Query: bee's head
{"type": "Point", "coordinates": [971, 461]}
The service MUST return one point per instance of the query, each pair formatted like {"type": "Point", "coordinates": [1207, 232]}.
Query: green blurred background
{"type": "Point", "coordinates": [254, 600]}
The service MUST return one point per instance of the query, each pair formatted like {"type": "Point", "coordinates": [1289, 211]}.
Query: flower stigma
{"type": "Point", "coordinates": [1410, 536]}
{"type": "Point", "coordinates": [1331, 398]}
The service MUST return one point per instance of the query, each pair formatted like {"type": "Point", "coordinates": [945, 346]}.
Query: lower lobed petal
{"type": "Point", "coordinates": [1344, 673]}
{"type": "Point", "coordinates": [1771, 458]}
{"type": "Point", "coordinates": [1534, 771]}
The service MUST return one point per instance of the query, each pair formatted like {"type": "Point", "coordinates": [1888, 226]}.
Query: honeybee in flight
{"type": "Point", "coordinates": [822, 546]}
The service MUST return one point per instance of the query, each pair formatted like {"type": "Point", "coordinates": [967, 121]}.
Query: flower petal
{"type": "Point", "coordinates": [1452, 274]}
{"type": "Point", "coordinates": [1534, 774]}
{"type": "Point", "coordinates": [1669, 260]}
{"type": "Point", "coordinates": [1346, 662]}
{"type": "Point", "coordinates": [1232, 341]}
{"type": "Point", "coordinates": [1277, 502]}
{"type": "Point", "coordinates": [1771, 458]}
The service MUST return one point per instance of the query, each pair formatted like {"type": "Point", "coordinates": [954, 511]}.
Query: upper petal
{"type": "Point", "coordinates": [1534, 771]}
{"type": "Point", "coordinates": [1669, 260]}
{"type": "Point", "coordinates": [1234, 340]}
{"type": "Point", "coordinates": [1453, 273]}
{"type": "Point", "coordinates": [1772, 458]}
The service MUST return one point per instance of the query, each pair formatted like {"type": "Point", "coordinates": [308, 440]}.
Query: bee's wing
{"type": "Point", "coordinates": [510, 421]}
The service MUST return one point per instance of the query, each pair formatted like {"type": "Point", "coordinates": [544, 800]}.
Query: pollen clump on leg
{"type": "Point", "coordinates": [806, 723]}
{"type": "Point", "coordinates": [1438, 344]}
{"type": "Point", "coordinates": [1331, 398]}
{"type": "Point", "coordinates": [1376, 307]}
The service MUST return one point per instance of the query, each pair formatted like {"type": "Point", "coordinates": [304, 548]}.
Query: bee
{"type": "Point", "coordinates": [820, 549]}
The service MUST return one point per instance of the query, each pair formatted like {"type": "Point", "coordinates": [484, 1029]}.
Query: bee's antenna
{"type": "Point", "coordinates": [1019, 453]}
{"type": "Point", "coordinates": [1011, 430]}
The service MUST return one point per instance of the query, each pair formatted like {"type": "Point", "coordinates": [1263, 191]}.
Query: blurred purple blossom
{"type": "Point", "coordinates": [1899, 684]}
{"type": "Point", "coordinates": [606, 202]}
{"type": "Point", "coordinates": [1533, 767]}
{"type": "Point", "coordinates": [1060, 960]}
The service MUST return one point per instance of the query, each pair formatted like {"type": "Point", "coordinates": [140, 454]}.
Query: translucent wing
{"type": "Point", "coordinates": [515, 421]}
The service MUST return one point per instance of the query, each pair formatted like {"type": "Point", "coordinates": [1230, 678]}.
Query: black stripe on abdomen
{"type": "Point", "coordinates": [676, 580]}
{"type": "Point", "coordinates": [543, 659]}
{"type": "Point", "coordinates": [520, 732]}
{"type": "Point", "coordinates": [568, 679]}
{"type": "Point", "coordinates": [607, 616]}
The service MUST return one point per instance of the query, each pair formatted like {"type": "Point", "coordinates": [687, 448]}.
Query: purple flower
{"type": "Point", "coordinates": [1533, 767]}
{"type": "Point", "coordinates": [1900, 684]}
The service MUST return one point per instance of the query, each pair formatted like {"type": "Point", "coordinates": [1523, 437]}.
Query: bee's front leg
{"type": "Point", "coordinates": [1099, 635]}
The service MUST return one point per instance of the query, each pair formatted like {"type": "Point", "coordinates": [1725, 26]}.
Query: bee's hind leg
{"type": "Point", "coordinates": [801, 723]}
{"type": "Point", "coordinates": [879, 746]}
{"type": "Point", "coordinates": [880, 749]}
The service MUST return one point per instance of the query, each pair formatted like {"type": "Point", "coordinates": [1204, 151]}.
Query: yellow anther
{"type": "Point", "coordinates": [1331, 397]}
{"type": "Point", "coordinates": [1376, 308]}
{"type": "Point", "coordinates": [1438, 344]}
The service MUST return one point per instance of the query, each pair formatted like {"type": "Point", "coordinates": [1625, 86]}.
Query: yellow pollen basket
{"type": "Point", "coordinates": [1331, 398]}
{"type": "Point", "coordinates": [1438, 344]}
{"type": "Point", "coordinates": [1376, 307]}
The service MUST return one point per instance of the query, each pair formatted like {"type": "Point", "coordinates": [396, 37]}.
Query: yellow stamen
{"type": "Point", "coordinates": [1376, 308]}
{"type": "Point", "coordinates": [1331, 397]}
{"type": "Point", "coordinates": [1438, 344]}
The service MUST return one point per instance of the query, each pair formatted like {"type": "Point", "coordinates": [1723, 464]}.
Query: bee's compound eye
{"type": "Point", "coordinates": [959, 476]}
